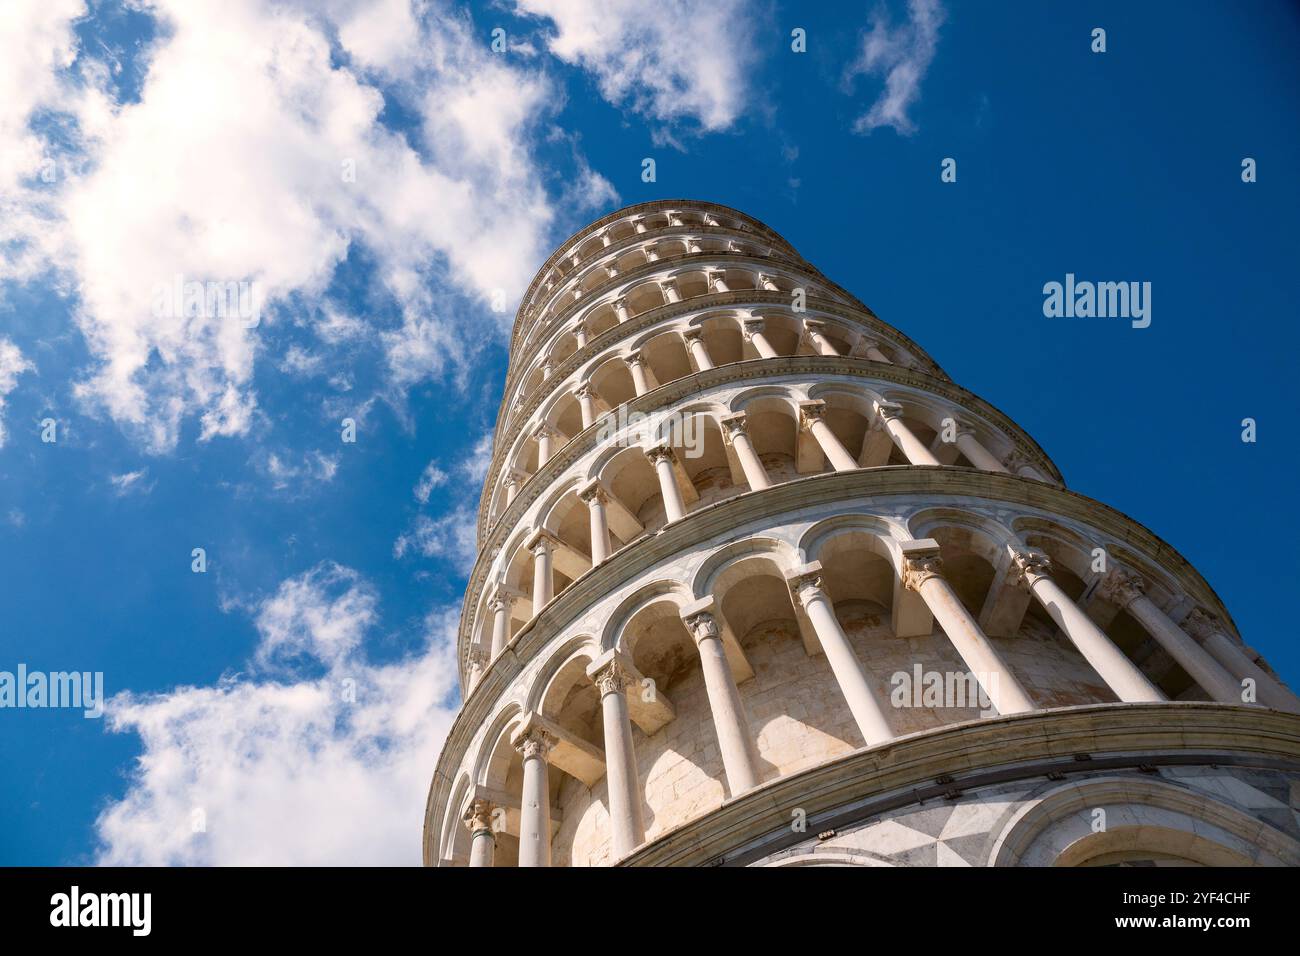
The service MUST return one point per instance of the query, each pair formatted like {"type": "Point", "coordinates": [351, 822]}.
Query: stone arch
{"type": "Point", "coordinates": [1142, 816]}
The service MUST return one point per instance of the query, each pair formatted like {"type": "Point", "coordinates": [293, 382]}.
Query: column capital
{"type": "Point", "coordinates": [544, 430]}
{"type": "Point", "coordinates": [702, 626]}
{"type": "Point", "coordinates": [660, 453]}
{"type": "Point", "coordinates": [754, 327]}
{"type": "Point", "coordinates": [921, 562]}
{"type": "Point", "coordinates": [714, 275]}
{"type": "Point", "coordinates": [813, 325]}
{"type": "Point", "coordinates": [764, 278]}
{"type": "Point", "coordinates": [810, 413]}
{"type": "Point", "coordinates": [476, 656]}
{"type": "Point", "coordinates": [612, 677]}
{"type": "Point", "coordinates": [693, 335]}
{"type": "Point", "coordinates": [478, 815]}
{"type": "Point", "coordinates": [593, 492]}
{"type": "Point", "coordinates": [611, 271]}
{"type": "Point", "coordinates": [732, 424]}
{"type": "Point", "coordinates": [1015, 460]}
{"type": "Point", "coordinates": [579, 325]}
{"type": "Point", "coordinates": [533, 742]}
{"type": "Point", "coordinates": [634, 358]}
{"type": "Point", "coordinates": [889, 411]}
{"type": "Point", "coordinates": [541, 542]}
{"type": "Point", "coordinates": [1030, 564]}
{"type": "Point", "coordinates": [502, 597]}
{"type": "Point", "coordinates": [1202, 625]}
{"type": "Point", "coordinates": [805, 582]}
{"type": "Point", "coordinates": [584, 390]}
{"type": "Point", "coordinates": [620, 303]}
{"type": "Point", "coordinates": [666, 284]}
{"type": "Point", "coordinates": [1121, 588]}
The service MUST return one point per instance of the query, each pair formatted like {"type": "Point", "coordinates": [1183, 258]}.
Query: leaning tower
{"type": "Point", "coordinates": [758, 584]}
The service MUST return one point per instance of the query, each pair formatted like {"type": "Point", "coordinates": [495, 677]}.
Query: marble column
{"type": "Point", "coordinates": [891, 414]}
{"type": "Point", "coordinates": [737, 430]}
{"type": "Point", "coordinates": [1121, 675]}
{"type": "Point", "coordinates": [586, 396]}
{"type": "Point", "coordinates": [817, 336]}
{"type": "Point", "coordinates": [812, 418]}
{"type": "Point", "coordinates": [922, 572]}
{"type": "Point", "coordinates": [624, 790]}
{"type": "Point", "coordinates": [620, 310]}
{"type": "Point", "coordinates": [542, 545]}
{"type": "Point", "coordinates": [694, 339]}
{"type": "Point", "coordinates": [849, 675]}
{"type": "Point", "coordinates": [765, 281]}
{"type": "Point", "coordinates": [662, 457]}
{"type": "Point", "coordinates": [871, 349]}
{"type": "Point", "coordinates": [580, 334]}
{"type": "Point", "coordinates": [1017, 463]}
{"type": "Point", "coordinates": [1238, 661]}
{"type": "Point", "coordinates": [754, 332]}
{"type": "Point", "coordinates": [596, 498]}
{"type": "Point", "coordinates": [482, 841]}
{"type": "Point", "coordinates": [545, 437]}
{"type": "Point", "coordinates": [1128, 591]}
{"type": "Point", "coordinates": [669, 289]}
{"type": "Point", "coordinates": [717, 281]}
{"type": "Point", "coordinates": [535, 800]}
{"type": "Point", "coordinates": [975, 452]}
{"type": "Point", "coordinates": [636, 365]}
{"type": "Point", "coordinates": [728, 712]}
{"type": "Point", "coordinates": [478, 663]}
{"type": "Point", "coordinates": [501, 605]}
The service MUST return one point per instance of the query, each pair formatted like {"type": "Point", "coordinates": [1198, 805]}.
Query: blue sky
{"type": "Point", "coordinates": [214, 144]}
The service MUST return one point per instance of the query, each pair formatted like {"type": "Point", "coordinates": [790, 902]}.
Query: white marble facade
{"type": "Point", "coordinates": [742, 545]}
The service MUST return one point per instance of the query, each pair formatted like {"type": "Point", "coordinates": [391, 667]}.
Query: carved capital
{"type": "Point", "coordinates": [620, 304]}
{"type": "Point", "coordinates": [889, 411]}
{"type": "Point", "coordinates": [753, 327]}
{"type": "Point", "coordinates": [613, 678]}
{"type": "Point", "coordinates": [702, 626]}
{"type": "Point", "coordinates": [1015, 460]}
{"type": "Point", "coordinates": [811, 413]}
{"type": "Point", "coordinates": [1121, 588]}
{"type": "Point", "coordinates": [584, 390]}
{"type": "Point", "coordinates": [544, 431]}
{"type": "Point", "coordinates": [478, 816]}
{"type": "Point", "coordinates": [594, 494]}
{"type": "Point", "coordinates": [1029, 565]}
{"type": "Point", "coordinates": [919, 568]}
{"type": "Point", "coordinates": [535, 743]}
{"type": "Point", "coordinates": [660, 453]}
{"type": "Point", "coordinates": [1201, 624]}
{"type": "Point", "coordinates": [806, 587]}
{"type": "Point", "coordinates": [634, 358]}
{"type": "Point", "coordinates": [735, 424]}
{"type": "Point", "coordinates": [693, 335]}
{"type": "Point", "coordinates": [542, 543]}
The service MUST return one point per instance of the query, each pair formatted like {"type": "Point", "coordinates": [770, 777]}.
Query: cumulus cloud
{"type": "Point", "coordinates": [12, 364]}
{"type": "Point", "coordinates": [902, 55]}
{"type": "Point", "coordinates": [256, 154]}
{"type": "Point", "coordinates": [451, 536]}
{"type": "Point", "coordinates": [277, 767]}
{"type": "Point", "coordinates": [131, 482]}
{"type": "Point", "coordinates": [670, 61]}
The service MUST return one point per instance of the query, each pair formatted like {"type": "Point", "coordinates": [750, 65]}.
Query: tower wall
{"type": "Point", "coordinates": [744, 546]}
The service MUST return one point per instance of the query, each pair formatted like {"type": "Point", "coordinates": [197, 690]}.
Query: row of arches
{"type": "Point", "coordinates": [673, 248]}
{"type": "Point", "coordinates": [594, 243]}
{"type": "Point", "coordinates": [779, 651]}
{"type": "Point", "coordinates": [647, 294]}
{"type": "Point", "coordinates": [748, 440]}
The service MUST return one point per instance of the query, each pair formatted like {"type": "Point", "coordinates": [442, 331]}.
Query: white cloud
{"type": "Point", "coordinates": [671, 60]}
{"type": "Point", "coordinates": [432, 477]}
{"type": "Point", "coordinates": [901, 55]}
{"type": "Point", "coordinates": [288, 770]}
{"type": "Point", "coordinates": [283, 472]}
{"type": "Point", "coordinates": [12, 364]}
{"type": "Point", "coordinates": [452, 536]}
{"type": "Point", "coordinates": [131, 481]}
{"type": "Point", "coordinates": [232, 167]}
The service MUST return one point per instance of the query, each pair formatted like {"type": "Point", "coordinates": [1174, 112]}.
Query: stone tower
{"type": "Point", "coordinates": [758, 584]}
